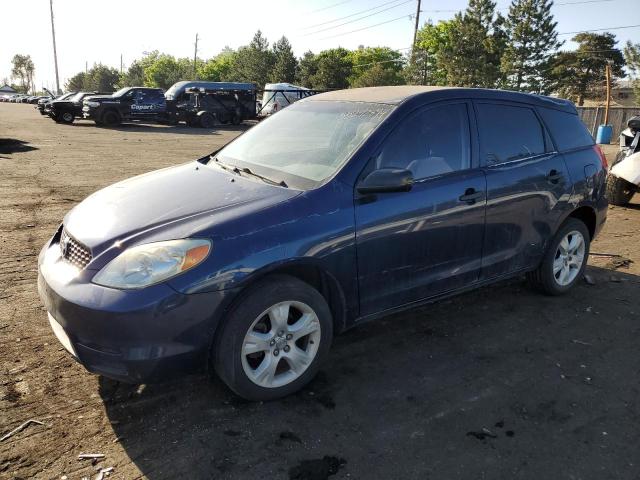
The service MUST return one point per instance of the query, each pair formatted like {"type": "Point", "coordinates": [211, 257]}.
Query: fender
{"type": "Point", "coordinates": [628, 169]}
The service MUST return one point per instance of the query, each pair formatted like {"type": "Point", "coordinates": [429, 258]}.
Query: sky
{"type": "Point", "coordinates": [93, 31]}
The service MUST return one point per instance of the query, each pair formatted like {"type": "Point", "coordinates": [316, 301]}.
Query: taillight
{"type": "Point", "coordinates": [603, 158]}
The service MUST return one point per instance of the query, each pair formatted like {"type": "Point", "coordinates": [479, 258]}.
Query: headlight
{"type": "Point", "coordinates": [145, 265]}
{"type": "Point", "coordinates": [92, 104]}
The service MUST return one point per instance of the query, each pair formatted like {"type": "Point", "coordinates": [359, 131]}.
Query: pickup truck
{"type": "Point", "coordinates": [129, 103]}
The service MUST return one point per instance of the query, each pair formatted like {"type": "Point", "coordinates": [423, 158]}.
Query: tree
{"type": "Point", "coordinates": [101, 78]}
{"type": "Point", "coordinates": [23, 70]}
{"type": "Point", "coordinates": [76, 83]}
{"type": "Point", "coordinates": [427, 63]}
{"type": "Point", "coordinates": [135, 75]}
{"type": "Point", "coordinates": [218, 68]}
{"type": "Point", "coordinates": [284, 68]}
{"type": "Point", "coordinates": [307, 69]}
{"type": "Point", "coordinates": [632, 57]}
{"type": "Point", "coordinates": [532, 41]}
{"type": "Point", "coordinates": [476, 40]}
{"type": "Point", "coordinates": [253, 62]}
{"type": "Point", "coordinates": [333, 69]}
{"type": "Point", "coordinates": [375, 66]}
{"type": "Point", "coordinates": [166, 70]}
{"type": "Point", "coordinates": [580, 73]}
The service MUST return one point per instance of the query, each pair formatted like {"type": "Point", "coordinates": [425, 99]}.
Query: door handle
{"type": "Point", "coordinates": [471, 195]}
{"type": "Point", "coordinates": [554, 176]}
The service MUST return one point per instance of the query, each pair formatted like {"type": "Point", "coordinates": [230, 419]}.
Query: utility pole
{"type": "Point", "coordinates": [195, 59]}
{"type": "Point", "coordinates": [55, 53]}
{"type": "Point", "coordinates": [120, 64]}
{"type": "Point", "coordinates": [86, 67]}
{"type": "Point", "coordinates": [415, 29]}
{"type": "Point", "coordinates": [607, 73]}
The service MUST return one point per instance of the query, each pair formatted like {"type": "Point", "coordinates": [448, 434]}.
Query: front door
{"type": "Point", "coordinates": [427, 241]}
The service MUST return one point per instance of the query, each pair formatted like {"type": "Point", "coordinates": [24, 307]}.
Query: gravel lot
{"type": "Point", "coordinates": [498, 383]}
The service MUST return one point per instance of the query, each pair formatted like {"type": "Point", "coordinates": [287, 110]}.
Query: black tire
{"type": "Point", "coordinates": [207, 121]}
{"type": "Point", "coordinates": [236, 119]}
{"type": "Point", "coordinates": [227, 355]}
{"type": "Point", "coordinates": [618, 191]}
{"type": "Point", "coordinates": [66, 117]}
{"type": "Point", "coordinates": [111, 118]}
{"type": "Point", "coordinates": [543, 278]}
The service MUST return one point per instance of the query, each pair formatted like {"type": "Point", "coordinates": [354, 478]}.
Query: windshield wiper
{"type": "Point", "coordinates": [248, 171]}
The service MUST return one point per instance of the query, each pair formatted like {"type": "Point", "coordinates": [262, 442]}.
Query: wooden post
{"type": "Point", "coordinates": [607, 72]}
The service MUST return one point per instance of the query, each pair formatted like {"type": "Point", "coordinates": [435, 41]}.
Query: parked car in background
{"type": "Point", "coordinates": [68, 109]}
{"type": "Point", "coordinates": [130, 103]}
{"type": "Point", "coordinates": [342, 208]}
{"type": "Point", "coordinates": [42, 104]}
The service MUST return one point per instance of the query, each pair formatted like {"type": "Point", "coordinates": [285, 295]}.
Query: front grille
{"type": "Point", "coordinates": [73, 251]}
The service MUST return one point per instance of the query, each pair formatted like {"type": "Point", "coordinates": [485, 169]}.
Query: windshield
{"type": "Point", "coordinates": [121, 92]}
{"type": "Point", "coordinates": [305, 143]}
{"type": "Point", "coordinates": [78, 96]}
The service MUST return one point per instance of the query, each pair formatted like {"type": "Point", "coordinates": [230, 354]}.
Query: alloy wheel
{"type": "Point", "coordinates": [281, 344]}
{"type": "Point", "coordinates": [569, 258]}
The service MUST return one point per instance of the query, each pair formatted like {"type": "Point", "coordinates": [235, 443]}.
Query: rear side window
{"type": "Point", "coordinates": [509, 133]}
{"type": "Point", "coordinates": [567, 129]}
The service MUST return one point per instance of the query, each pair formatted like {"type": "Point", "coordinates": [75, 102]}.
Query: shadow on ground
{"type": "Point", "coordinates": [13, 145]}
{"type": "Point", "coordinates": [174, 129]}
{"type": "Point", "coordinates": [498, 383]}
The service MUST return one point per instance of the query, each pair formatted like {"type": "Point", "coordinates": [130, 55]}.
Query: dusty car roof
{"type": "Point", "coordinates": [394, 95]}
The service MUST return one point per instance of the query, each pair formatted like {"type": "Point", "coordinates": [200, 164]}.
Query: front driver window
{"type": "Point", "coordinates": [430, 142]}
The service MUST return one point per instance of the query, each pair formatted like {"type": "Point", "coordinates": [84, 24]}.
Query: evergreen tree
{"type": "Point", "coordinates": [532, 41]}
{"type": "Point", "coordinates": [307, 69]}
{"type": "Point", "coordinates": [254, 62]}
{"type": "Point", "coordinates": [284, 68]}
{"type": "Point", "coordinates": [474, 47]}
{"type": "Point", "coordinates": [376, 66]}
{"type": "Point", "coordinates": [580, 74]}
{"type": "Point", "coordinates": [632, 56]}
{"type": "Point", "coordinates": [334, 69]}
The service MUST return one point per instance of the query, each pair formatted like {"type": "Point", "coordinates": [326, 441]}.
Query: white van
{"type": "Point", "coordinates": [277, 96]}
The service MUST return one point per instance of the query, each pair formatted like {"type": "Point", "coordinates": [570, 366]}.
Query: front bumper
{"type": "Point", "coordinates": [133, 336]}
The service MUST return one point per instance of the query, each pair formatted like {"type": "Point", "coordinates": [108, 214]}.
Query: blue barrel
{"type": "Point", "coordinates": [604, 134]}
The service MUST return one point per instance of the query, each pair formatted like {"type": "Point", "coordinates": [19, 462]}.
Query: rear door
{"type": "Point", "coordinates": [421, 243]}
{"type": "Point", "coordinates": [528, 186]}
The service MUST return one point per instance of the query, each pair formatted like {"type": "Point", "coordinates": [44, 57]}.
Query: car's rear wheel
{"type": "Point", "coordinates": [619, 191]}
{"type": "Point", "coordinates": [273, 341]}
{"type": "Point", "coordinates": [565, 261]}
{"type": "Point", "coordinates": [66, 117]}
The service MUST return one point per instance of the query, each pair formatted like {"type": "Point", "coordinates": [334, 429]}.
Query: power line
{"type": "Point", "coordinates": [507, 8]}
{"type": "Point", "coordinates": [599, 29]}
{"type": "Point", "coordinates": [406, 16]}
{"type": "Point", "coordinates": [357, 19]}
{"type": "Point", "coordinates": [348, 16]}
{"type": "Point", "coordinates": [330, 6]}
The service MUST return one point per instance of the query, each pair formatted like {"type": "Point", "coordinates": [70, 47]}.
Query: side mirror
{"type": "Point", "coordinates": [386, 180]}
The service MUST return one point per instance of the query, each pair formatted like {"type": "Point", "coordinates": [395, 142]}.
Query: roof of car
{"type": "Point", "coordinates": [395, 95]}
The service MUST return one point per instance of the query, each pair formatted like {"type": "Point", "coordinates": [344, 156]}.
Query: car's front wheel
{"type": "Point", "coordinates": [272, 342]}
{"type": "Point", "coordinates": [66, 117]}
{"type": "Point", "coordinates": [565, 261]}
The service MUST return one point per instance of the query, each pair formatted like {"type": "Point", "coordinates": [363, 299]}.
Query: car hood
{"type": "Point", "coordinates": [100, 98]}
{"type": "Point", "coordinates": [166, 204]}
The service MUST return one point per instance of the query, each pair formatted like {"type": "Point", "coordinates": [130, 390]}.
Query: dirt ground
{"type": "Point", "coordinates": [501, 383]}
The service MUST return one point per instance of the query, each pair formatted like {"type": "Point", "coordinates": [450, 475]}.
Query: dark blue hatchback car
{"type": "Point", "coordinates": [342, 207]}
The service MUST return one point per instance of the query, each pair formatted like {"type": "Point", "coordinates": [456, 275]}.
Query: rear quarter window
{"type": "Point", "coordinates": [567, 129]}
